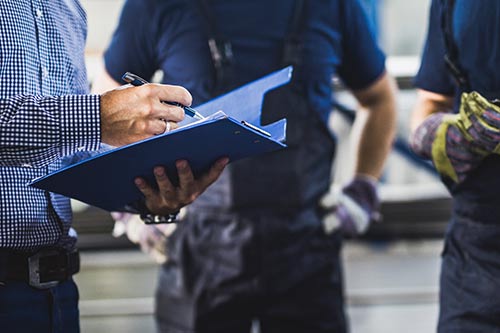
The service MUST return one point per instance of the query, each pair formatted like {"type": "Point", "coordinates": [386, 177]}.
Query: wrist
{"type": "Point", "coordinates": [364, 177]}
{"type": "Point", "coordinates": [363, 190]}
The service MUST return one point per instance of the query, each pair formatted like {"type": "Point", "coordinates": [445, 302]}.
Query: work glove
{"type": "Point", "coordinates": [152, 238]}
{"type": "Point", "coordinates": [354, 208]}
{"type": "Point", "coordinates": [457, 143]}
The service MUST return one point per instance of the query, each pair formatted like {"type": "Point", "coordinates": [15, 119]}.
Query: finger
{"type": "Point", "coordinates": [170, 126]}
{"type": "Point", "coordinates": [167, 112]}
{"type": "Point", "coordinates": [331, 222]}
{"type": "Point", "coordinates": [186, 177]}
{"type": "Point", "coordinates": [157, 127]}
{"type": "Point", "coordinates": [149, 193]}
{"type": "Point", "coordinates": [118, 216]}
{"type": "Point", "coordinates": [124, 86]}
{"type": "Point", "coordinates": [173, 125]}
{"type": "Point", "coordinates": [214, 172]}
{"type": "Point", "coordinates": [167, 127]}
{"type": "Point", "coordinates": [172, 93]}
{"type": "Point", "coordinates": [164, 183]}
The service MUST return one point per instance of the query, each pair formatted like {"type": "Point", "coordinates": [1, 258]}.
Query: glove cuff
{"type": "Point", "coordinates": [422, 139]}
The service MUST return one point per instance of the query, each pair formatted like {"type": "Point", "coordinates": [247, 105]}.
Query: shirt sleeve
{"type": "Point", "coordinates": [363, 62]}
{"type": "Point", "coordinates": [133, 42]}
{"type": "Point", "coordinates": [433, 74]}
{"type": "Point", "coordinates": [38, 130]}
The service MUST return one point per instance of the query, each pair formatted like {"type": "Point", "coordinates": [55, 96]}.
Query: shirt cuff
{"type": "Point", "coordinates": [80, 123]}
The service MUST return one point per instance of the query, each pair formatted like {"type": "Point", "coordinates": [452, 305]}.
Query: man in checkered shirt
{"type": "Point", "coordinates": [46, 114]}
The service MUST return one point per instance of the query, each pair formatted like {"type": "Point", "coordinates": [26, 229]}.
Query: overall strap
{"type": "Point", "coordinates": [293, 46]}
{"type": "Point", "coordinates": [220, 50]}
{"type": "Point", "coordinates": [451, 56]}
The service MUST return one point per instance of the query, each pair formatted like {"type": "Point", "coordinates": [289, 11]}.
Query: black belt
{"type": "Point", "coordinates": [42, 269]}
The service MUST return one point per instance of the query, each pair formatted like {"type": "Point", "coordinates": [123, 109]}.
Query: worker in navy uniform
{"type": "Point", "coordinates": [258, 244]}
{"type": "Point", "coordinates": [456, 125]}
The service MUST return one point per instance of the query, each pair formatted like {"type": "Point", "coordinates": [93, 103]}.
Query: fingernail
{"type": "Point", "coordinates": [223, 162]}
{"type": "Point", "coordinates": [181, 164]}
{"type": "Point", "coordinates": [159, 171]}
{"type": "Point", "coordinates": [138, 182]}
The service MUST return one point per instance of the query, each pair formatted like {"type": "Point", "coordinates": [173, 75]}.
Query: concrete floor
{"type": "Point", "coordinates": [390, 287]}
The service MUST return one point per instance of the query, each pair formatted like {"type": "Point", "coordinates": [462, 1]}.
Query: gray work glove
{"type": "Point", "coordinates": [355, 207]}
{"type": "Point", "coordinates": [152, 239]}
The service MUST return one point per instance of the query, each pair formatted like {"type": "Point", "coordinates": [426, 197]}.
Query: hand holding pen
{"type": "Point", "coordinates": [130, 115]}
{"type": "Point", "coordinates": [136, 80]}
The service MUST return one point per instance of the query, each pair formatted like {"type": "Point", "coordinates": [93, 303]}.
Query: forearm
{"type": "Point", "coordinates": [456, 143]}
{"type": "Point", "coordinates": [375, 142]}
{"type": "Point", "coordinates": [378, 130]}
{"type": "Point", "coordinates": [38, 130]}
{"type": "Point", "coordinates": [427, 104]}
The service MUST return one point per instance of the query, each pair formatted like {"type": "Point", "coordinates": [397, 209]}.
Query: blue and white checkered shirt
{"type": "Point", "coordinates": [44, 115]}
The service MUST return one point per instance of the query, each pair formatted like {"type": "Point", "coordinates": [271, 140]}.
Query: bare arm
{"type": "Point", "coordinates": [377, 135]}
{"type": "Point", "coordinates": [428, 103]}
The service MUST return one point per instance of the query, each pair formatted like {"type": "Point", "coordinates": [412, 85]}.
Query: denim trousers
{"type": "Point", "coordinates": [24, 309]}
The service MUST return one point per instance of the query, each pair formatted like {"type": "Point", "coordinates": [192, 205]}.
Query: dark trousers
{"type": "Point", "coordinates": [24, 309]}
{"type": "Point", "coordinates": [225, 271]}
{"type": "Point", "coordinates": [470, 278]}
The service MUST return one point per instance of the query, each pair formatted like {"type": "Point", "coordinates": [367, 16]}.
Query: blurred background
{"type": "Point", "coordinates": [391, 274]}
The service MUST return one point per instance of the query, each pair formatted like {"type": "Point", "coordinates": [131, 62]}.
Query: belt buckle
{"type": "Point", "coordinates": [34, 270]}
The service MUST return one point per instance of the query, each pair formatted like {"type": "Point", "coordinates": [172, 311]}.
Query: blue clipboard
{"type": "Point", "coordinates": [107, 179]}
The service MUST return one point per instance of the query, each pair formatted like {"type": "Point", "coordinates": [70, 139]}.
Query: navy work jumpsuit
{"type": "Point", "coordinates": [252, 246]}
{"type": "Point", "coordinates": [470, 272]}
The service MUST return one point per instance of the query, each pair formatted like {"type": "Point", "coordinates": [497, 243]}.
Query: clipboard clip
{"type": "Point", "coordinates": [255, 128]}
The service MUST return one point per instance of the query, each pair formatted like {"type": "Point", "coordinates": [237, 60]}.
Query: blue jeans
{"type": "Point", "coordinates": [24, 309]}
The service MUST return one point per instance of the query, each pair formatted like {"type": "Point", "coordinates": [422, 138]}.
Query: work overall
{"type": "Point", "coordinates": [470, 271]}
{"type": "Point", "coordinates": [253, 245]}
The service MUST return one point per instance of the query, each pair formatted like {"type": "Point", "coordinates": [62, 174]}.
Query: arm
{"type": "Point", "coordinates": [456, 143]}
{"type": "Point", "coordinates": [428, 103]}
{"type": "Point", "coordinates": [38, 130]}
{"type": "Point", "coordinates": [358, 202]}
{"type": "Point", "coordinates": [363, 70]}
{"type": "Point", "coordinates": [167, 198]}
{"type": "Point", "coordinates": [377, 136]}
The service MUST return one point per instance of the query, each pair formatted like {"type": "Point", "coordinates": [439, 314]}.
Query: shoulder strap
{"type": "Point", "coordinates": [220, 50]}
{"type": "Point", "coordinates": [451, 56]}
{"type": "Point", "coordinates": [209, 17]}
{"type": "Point", "coordinates": [292, 48]}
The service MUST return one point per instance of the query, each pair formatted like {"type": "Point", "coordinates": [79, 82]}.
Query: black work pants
{"type": "Point", "coordinates": [226, 270]}
{"type": "Point", "coordinates": [470, 278]}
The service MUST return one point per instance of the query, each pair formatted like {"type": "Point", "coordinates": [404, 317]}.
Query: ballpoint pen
{"type": "Point", "coordinates": [139, 81]}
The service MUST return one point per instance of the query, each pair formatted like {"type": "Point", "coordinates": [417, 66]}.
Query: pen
{"type": "Point", "coordinates": [139, 81]}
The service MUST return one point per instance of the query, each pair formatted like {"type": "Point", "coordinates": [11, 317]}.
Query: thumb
{"type": "Point", "coordinates": [353, 219]}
